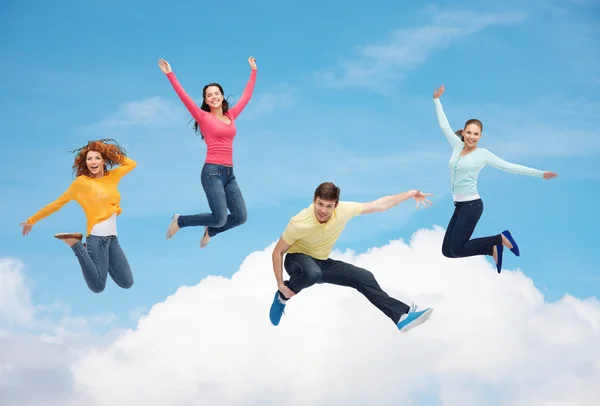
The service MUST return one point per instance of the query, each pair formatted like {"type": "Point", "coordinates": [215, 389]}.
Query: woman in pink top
{"type": "Point", "coordinates": [215, 121]}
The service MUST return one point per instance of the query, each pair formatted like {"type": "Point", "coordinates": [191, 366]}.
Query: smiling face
{"type": "Point", "coordinates": [324, 209]}
{"type": "Point", "coordinates": [213, 97]}
{"type": "Point", "coordinates": [471, 135]}
{"type": "Point", "coordinates": [95, 164]}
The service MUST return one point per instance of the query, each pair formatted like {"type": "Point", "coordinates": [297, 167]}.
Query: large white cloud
{"type": "Point", "coordinates": [15, 298]}
{"type": "Point", "coordinates": [492, 340]}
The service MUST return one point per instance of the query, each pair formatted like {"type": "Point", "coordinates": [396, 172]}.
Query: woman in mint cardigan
{"type": "Point", "coordinates": [465, 163]}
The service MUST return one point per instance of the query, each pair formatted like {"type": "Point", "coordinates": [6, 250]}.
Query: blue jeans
{"type": "Point", "coordinates": [457, 240]}
{"type": "Point", "coordinates": [222, 193]}
{"type": "Point", "coordinates": [102, 256]}
{"type": "Point", "coordinates": [305, 271]}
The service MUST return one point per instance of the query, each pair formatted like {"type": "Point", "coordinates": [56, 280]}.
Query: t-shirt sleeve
{"type": "Point", "coordinates": [292, 233]}
{"type": "Point", "coordinates": [347, 210]}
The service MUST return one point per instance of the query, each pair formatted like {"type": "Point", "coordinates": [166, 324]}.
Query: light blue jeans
{"type": "Point", "coordinates": [102, 256]}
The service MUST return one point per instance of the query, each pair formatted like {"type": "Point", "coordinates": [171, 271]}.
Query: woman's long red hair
{"type": "Point", "coordinates": [112, 153]}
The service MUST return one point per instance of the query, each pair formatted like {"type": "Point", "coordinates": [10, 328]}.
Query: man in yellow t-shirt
{"type": "Point", "coordinates": [308, 241]}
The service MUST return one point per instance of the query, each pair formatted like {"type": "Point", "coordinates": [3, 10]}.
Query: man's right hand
{"type": "Point", "coordinates": [287, 292]}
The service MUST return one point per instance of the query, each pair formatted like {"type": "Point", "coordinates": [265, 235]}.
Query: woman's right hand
{"type": "Point", "coordinates": [438, 92]}
{"type": "Point", "coordinates": [164, 66]}
{"type": "Point", "coordinates": [26, 227]}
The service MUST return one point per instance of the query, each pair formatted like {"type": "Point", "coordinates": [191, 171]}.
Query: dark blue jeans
{"type": "Point", "coordinates": [102, 256]}
{"type": "Point", "coordinates": [305, 271]}
{"type": "Point", "coordinates": [222, 193]}
{"type": "Point", "coordinates": [457, 242]}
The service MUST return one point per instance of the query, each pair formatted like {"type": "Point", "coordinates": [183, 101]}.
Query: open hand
{"type": "Point", "coordinates": [252, 62]}
{"type": "Point", "coordinates": [164, 66]}
{"type": "Point", "coordinates": [26, 227]}
{"type": "Point", "coordinates": [438, 92]}
{"type": "Point", "coordinates": [421, 198]}
{"type": "Point", "coordinates": [550, 175]}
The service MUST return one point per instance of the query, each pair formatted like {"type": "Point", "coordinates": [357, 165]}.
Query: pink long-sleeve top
{"type": "Point", "coordinates": [217, 134]}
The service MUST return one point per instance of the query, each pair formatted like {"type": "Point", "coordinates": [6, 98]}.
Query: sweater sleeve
{"type": "Point", "coordinates": [196, 112]}
{"type": "Point", "coordinates": [52, 207]}
{"type": "Point", "coordinates": [246, 95]}
{"type": "Point", "coordinates": [124, 168]}
{"type": "Point", "coordinates": [506, 166]}
{"type": "Point", "coordinates": [445, 125]}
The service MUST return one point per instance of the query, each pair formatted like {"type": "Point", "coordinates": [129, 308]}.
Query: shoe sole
{"type": "Point", "coordinates": [173, 220]}
{"type": "Point", "coordinates": [500, 252]}
{"type": "Point", "coordinates": [64, 236]}
{"type": "Point", "coordinates": [204, 245]}
{"type": "Point", "coordinates": [417, 322]}
{"type": "Point", "coordinates": [515, 249]}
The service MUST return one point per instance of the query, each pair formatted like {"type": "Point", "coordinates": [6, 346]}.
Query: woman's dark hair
{"type": "Point", "coordinates": [478, 123]}
{"type": "Point", "coordinates": [206, 107]}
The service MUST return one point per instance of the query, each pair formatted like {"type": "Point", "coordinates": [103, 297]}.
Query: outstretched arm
{"type": "Point", "coordinates": [506, 166]}
{"type": "Point", "coordinates": [248, 90]}
{"type": "Point", "coordinates": [196, 112]}
{"type": "Point", "coordinates": [387, 202]}
{"type": "Point", "coordinates": [443, 121]}
{"type": "Point", "coordinates": [278, 252]}
{"type": "Point", "coordinates": [46, 211]}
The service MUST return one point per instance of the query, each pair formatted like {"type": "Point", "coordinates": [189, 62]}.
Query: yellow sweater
{"type": "Point", "coordinates": [99, 197]}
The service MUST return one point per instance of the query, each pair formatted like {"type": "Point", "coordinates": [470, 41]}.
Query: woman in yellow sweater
{"type": "Point", "coordinates": [95, 189]}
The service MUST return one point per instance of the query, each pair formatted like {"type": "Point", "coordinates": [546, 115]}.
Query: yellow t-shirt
{"type": "Point", "coordinates": [307, 236]}
{"type": "Point", "coordinates": [99, 197]}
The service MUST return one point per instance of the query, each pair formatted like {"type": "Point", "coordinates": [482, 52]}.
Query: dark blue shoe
{"type": "Point", "coordinates": [509, 237]}
{"type": "Point", "coordinates": [277, 309]}
{"type": "Point", "coordinates": [413, 318]}
{"type": "Point", "coordinates": [500, 250]}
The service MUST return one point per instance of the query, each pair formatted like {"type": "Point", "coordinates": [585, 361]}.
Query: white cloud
{"type": "Point", "coordinates": [15, 297]}
{"type": "Point", "coordinates": [264, 103]}
{"type": "Point", "coordinates": [492, 340]}
{"type": "Point", "coordinates": [147, 112]}
{"type": "Point", "coordinates": [408, 48]}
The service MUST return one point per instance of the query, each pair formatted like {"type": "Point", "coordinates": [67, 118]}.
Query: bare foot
{"type": "Point", "coordinates": [69, 238]}
{"type": "Point", "coordinates": [71, 241]}
{"type": "Point", "coordinates": [495, 254]}
{"type": "Point", "coordinates": [506, 243]}
{"type": "Point", "coordinates": [205, 239]}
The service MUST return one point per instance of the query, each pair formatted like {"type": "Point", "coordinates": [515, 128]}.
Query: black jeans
{"type": "Point", "coordinates": [457, 242]}
{"type": "Point", "coordinates": [305, 271]}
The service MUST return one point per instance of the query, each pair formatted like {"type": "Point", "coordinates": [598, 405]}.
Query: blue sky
{"type": "Point", "coordinates": [343, 94]}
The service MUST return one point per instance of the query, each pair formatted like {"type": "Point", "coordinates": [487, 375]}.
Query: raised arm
{"type": "Point", "coordinates": [506, 166]}
{"type": "Point", "coordinates": [248, 90]}
{"type": "Point", "coordinates": [126, 165]}
{"type": "Point", "coordinates": [46, 211]}
{"type": "Point", "coordinates": [387, 202]}
{"type": "Point", "coordinates": [191, 106]}
{"type": "Point", "coordinates": [443, 121]}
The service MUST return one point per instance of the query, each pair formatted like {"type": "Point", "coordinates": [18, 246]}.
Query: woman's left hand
{"type": "Point", "coordinates": [252, 62]}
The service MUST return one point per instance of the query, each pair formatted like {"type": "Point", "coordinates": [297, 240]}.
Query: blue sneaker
{"type": "Point", "coordinates": [509, 237]}
{"type": "Point", "coordinates": [413, 318]}
{"type": "Point", "coordinates": [500, 251]}
{"type": "Point", "coordinates": [277, 309]}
